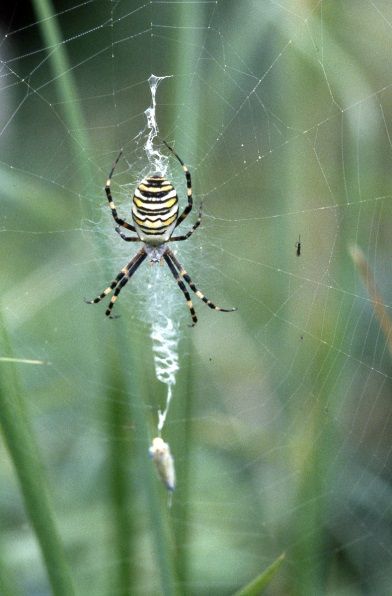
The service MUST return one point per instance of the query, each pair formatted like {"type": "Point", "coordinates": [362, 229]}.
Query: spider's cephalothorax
{"type": "Point", "coordinates": [155, 217]}
{"type": "Point", "coordinates": [155, 209]}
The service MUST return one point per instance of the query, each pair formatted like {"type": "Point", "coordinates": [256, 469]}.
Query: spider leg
{"type": "Point", "coordinates": [114, 283]}
{"type": "Point", "coordinates": [194, 227]}
{"type": "Point", "coordinates": [189, 281]}
{"type": "Point", "coordinates": [187, 173]}
{"type": "Point", "coordinates": [121, 222]}
{"type": "Point", "coordinates": [131, 268]}
{"type": "Point", "coordinates": [182, 287]}
{"type": "Point", "coordinates": [108, 289]}
{"type": "Point", "coordinates": [121, 279]}
{"type": "Point", "coordinates": [127, 238]}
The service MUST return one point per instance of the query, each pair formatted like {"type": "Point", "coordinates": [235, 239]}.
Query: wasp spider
{"type": "Point", "coordinates": [155, 217]}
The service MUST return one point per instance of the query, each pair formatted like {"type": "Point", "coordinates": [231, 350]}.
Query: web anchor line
{"type": "Point", "coordinates": [165, 348]}
{"type": "Point", "coordinates": [157, 161]}
{"type": "Point", "coordinates": [162, 415]}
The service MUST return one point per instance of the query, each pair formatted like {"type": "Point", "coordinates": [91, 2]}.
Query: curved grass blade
{"type": "Point", "coordinates": [25, 455]}
{"type": "Point", "coordinates": [257, 586]}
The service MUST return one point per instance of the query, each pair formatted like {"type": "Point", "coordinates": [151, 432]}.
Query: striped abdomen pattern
{"type": "Point", "coordinates": [155, 209]}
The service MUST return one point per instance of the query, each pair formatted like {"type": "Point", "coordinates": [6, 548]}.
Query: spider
{"type": "Point", "coordinates": [155, 217]}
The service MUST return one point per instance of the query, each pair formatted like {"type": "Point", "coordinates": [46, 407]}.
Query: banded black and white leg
{"type": "Point", "coordinates": [127, 238]}
{"type": "Point", "coordinates": [187, 173]}
{"type": "Point", "coordinates": [120, 281]}
{"type": "Point", "coordinates": [193, 228]}
{"type": "Point", "coordinates": [181, 285]}
{"type": "Point", "coordinates": [179, 274]}
{"type": "Point", "coordinates": [117, 219]}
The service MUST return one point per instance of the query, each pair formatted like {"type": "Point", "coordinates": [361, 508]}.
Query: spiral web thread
{"type": "Point", "coordinates": [164, 335]}
{"type": "Point", "coordinates": [158, 162]}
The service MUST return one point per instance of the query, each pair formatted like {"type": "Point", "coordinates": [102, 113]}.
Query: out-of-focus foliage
{"type": "Point", "coordinates": [280, 424]}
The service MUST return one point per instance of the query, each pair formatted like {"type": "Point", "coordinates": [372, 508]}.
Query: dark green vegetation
{"type": "Point", "coordinates": [280, 423]}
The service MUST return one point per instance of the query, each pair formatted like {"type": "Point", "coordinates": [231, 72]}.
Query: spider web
{"type": "Point", "coordinates": [280, 420]}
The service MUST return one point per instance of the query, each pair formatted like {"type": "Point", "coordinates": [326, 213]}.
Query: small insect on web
{"type": "Point", "coordinates": [298, 246]}
{"type": "Point", "coordinates": [155, 215]}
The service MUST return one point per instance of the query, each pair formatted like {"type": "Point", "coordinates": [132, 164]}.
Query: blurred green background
{"type": "Point", "coordinates": [280, 424]}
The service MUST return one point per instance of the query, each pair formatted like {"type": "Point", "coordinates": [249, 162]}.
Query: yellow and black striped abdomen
{"type": "Point", "coordinates": [155, 209]}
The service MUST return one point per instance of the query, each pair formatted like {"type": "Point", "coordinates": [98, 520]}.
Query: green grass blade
{"type": "Point", "coordinates": [67, 90]}
{"type": "Point", "coordinates": [29, 470]}
{"type": "Point", "coordinates": [7, 581]}
{"type": "Point", "coordinates": [130, 466]}
{"type": "Point", "coordinates": [190, 18]}
{"type": "Point", "coordinates": [120, 462]}
{"type": "Point", "coordinates": [155, 495]}
{"type": "Point", "coordinates": [258, 585]}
